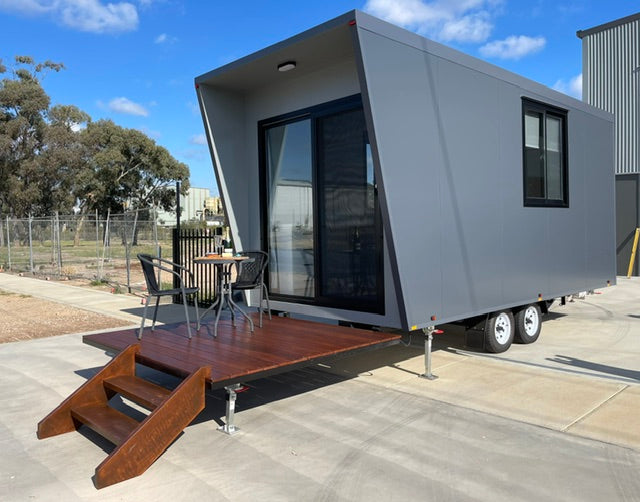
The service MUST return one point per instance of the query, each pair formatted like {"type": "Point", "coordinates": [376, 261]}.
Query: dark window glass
{"type": "Point", "coordinates": [347, 212]}
{"type": "Point", "coordinates": [545, 157]}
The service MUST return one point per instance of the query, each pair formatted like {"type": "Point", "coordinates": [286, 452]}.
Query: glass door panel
{"type": "Point", "coordinates": [347, 209]}
{"type": "Point", "coordinates": [290, 211]}
{"type": "Point", "coordinates": [323, 224]}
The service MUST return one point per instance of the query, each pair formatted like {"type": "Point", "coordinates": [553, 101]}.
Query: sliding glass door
{"type": "Point", "coordinates": [290, 208]}
{"type": "Point", "coordinates": [322, 218]}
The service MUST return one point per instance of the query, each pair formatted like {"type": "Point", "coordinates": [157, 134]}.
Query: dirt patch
{"type": "Point", "coordinates": [25, 317]}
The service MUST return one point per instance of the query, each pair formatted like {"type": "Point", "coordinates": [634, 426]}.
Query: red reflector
{"type": "Point", "coordinates": [433, 318]}
{"type": "Point", "coordinates": [197, 86]}
{"type": "Point", "coordinates": [352, 22]}
{"type": "Point", "coordinates": [437, 331]}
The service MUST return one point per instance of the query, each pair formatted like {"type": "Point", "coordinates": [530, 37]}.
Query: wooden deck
{"type": "Point", "coordinates": [235, 356]}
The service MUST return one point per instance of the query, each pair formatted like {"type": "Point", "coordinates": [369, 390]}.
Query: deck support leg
{"type": "Point", "coordinates": [428, 339]}
{"type": "Point", "coordinates": [232, 392]}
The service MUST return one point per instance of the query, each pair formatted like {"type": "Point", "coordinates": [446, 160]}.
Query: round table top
{"type": "Point", "coordinates": [217, 258]}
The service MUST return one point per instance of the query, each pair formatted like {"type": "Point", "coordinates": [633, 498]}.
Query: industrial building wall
{"type": "Point", "coordinates": [611, 81]}
{"type": "Point", "coordinates": [192, 206]}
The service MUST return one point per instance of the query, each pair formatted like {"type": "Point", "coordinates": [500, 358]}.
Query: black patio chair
{"type": "Point", "coordinates": [251, 276]}
{"type": "Point", "coordinates": [151, 265]}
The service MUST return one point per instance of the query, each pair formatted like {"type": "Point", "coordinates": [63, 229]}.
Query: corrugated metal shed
{"type": "Point", "coordinates": [611, 81]}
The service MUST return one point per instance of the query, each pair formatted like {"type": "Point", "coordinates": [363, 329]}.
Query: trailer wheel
{"type": "Point", "coordinates": [499, 331]}
{"type": "Point", "coordinates": [528, 324]}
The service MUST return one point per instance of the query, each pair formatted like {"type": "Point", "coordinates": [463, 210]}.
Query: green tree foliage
{"type": "Point", "coordinates": [63, 160]}
{"type": "Point", "coordinates": [127, 170]}
{"type": "Point", "coordinates": [23, 113]}
{"type": "Point", "coordinates": [54, 158]}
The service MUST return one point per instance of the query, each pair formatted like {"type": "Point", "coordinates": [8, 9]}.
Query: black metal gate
{"type": "Point", "coordinates": [189, 244]}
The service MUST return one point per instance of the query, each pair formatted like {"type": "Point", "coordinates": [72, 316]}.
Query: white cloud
{"type": "Point", "coordinates": [447, 20]}
{"type": "Point", "coordinates": [29, 7]}
{"type": "Point", "coordinates": [163, 38]}
{"type": "Point", "coordinates": [573, 87]}
{"type": "Point", "coordinates": [83, 15]}
{"type": "Point", "coordinates": [474, 28]}
{"type": "Point", "coordinates": [198, 139]}
{"type": "Point", "coordinates": [125, 105]}
{"type": "Point", "coordinates": [513, 47]}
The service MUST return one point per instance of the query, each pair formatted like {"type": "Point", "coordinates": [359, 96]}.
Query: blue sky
{"type": "Point", "coordinates": [134, 61]}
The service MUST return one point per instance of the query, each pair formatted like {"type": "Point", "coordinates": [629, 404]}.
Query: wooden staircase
{"type": "Point", "coordinates": [138, 444]}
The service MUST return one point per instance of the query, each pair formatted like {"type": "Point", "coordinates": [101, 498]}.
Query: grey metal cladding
{"type": "Point", "coordinates": [223, 112]}
{"type": "Point", "coordinates": [409, 149]}
{"type": "Point", "coordinates": [448, 133]}
{"type": "Point", "coordinates": [472, 223]}
{"type": "Point", "coordinates": [599, 197]}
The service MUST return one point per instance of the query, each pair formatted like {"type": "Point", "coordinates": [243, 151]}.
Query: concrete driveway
{"type": "Point", "coordinates": [556, 420]}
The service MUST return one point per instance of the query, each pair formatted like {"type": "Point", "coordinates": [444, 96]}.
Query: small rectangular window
{"type": "Point", "coordinates": [544, 155]}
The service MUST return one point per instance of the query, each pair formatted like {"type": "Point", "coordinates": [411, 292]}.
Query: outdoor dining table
{"type": "Point", "coordinates": [223, 263]}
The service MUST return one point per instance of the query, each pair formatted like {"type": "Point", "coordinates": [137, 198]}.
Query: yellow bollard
{"type": "Point", "coordinates": [633, 253]}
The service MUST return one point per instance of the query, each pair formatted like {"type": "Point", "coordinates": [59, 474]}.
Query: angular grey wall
{"type": "Point", "coordinates": [447, 133]}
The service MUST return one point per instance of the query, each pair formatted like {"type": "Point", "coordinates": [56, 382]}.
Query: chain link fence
{"type": "Point", "coordinates": [83, 247]}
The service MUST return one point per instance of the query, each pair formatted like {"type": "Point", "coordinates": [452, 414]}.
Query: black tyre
{"type": "Point", "coordinates": [528, 324]}
{"type": "Point", "coordinates": [499, 331]}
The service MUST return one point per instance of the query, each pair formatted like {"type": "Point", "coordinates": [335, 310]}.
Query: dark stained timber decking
{"type": "Point", "coordinates": [236, 355]}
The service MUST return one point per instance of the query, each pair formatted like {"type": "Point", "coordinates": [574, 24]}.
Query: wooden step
{"type": "Point", "coordinates": [92, 391]}
{"type": "Point", "coordinates": [138, 444]}
{"type": "Point", "coordinates": [156, 432]}
{"type": "Point", "coordinates": [106, 421]}
{"type": "Point", "coordinates": [141, 391]}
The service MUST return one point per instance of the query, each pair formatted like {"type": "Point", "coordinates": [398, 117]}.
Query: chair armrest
{"type": "Point", "coordinates": [171, 270]}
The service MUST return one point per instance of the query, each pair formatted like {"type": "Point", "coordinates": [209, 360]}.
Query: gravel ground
{"type": "Point", "coordinates": [25, 317]}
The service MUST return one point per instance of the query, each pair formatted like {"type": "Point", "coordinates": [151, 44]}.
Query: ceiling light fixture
{"type": "Point", "coordinates": [286, 66]}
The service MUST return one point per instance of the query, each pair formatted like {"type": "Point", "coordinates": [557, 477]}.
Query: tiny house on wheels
{"type": "Point", "coordinates": [396, 182]}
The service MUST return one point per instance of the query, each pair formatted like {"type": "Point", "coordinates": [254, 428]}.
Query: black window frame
{"type": "Point", "coordinates": [530, 105]}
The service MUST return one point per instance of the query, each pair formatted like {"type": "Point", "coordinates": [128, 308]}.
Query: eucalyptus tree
{"type": "Point", "coordinates": [62, 161]}
{"type": "Point", "coordinates": [127, 170]}
{"type": "Point", "coordinates": [24, 108]}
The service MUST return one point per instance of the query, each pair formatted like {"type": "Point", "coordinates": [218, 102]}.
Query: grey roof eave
{"type": "Point", "coordinates": [279, 46]}
{"type": "Point", "coordinates": [607, 26]}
